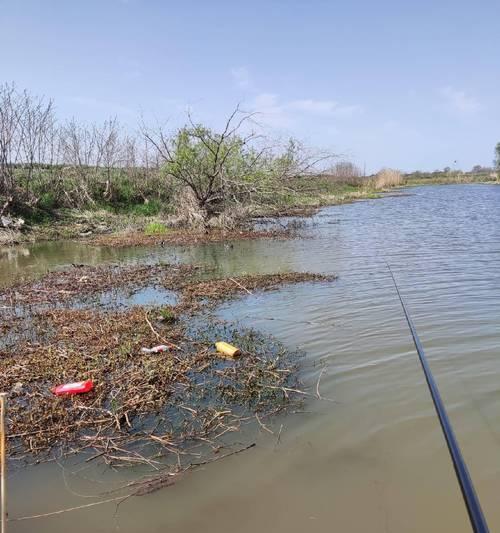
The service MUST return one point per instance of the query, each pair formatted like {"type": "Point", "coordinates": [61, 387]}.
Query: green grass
{"type": "Point", "coordinates": [168, 315]}
{"type": "Point", "coordinates": [443, 178]}
{"type": "Point", "coordinates": [155, 228]}
{"type": "Point", "coordinates": [152, 208]}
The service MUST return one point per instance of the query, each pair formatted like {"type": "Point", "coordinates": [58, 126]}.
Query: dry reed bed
{"type": "Point", "coordinates": [186, 237]}
{"type": "Point", "coordinates": [155, 409]}
{"type": "Point", "coordinates": [84, 281]}
{"type": "Point", "coordinates": [80, 281]}
{"type": "Point", "coordinates": [144, 406]}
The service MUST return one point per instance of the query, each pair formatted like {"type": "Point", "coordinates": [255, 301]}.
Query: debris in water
{"type": "Point", "coordinates": [155, 349]}
{"type": "Point", "coordinates": [79, 387]}
{"type": "Point", "coordinates": [227, 349]}
{"type": "Point", "coordinates": [17, 388]}
{"type": "Point", "coordinates": [181, 407]}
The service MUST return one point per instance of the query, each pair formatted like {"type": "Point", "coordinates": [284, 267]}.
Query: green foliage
{"type": "Point", "coordinates": [168, 315]}
{"type": "Point", "coordinates": [497, 156]}
{"type": "Point", "coordinates": [212, 165]}
{"type": "Point", "coordinates": [151, 208]}
{"type": "Point", "coordinates": [224, 169]}
{"type": "Point", "coordinates": [47, 201]}
{"type": "Point", "coordinates": [155, 228]}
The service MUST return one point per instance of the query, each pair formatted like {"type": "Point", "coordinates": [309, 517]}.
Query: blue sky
{"type": "Point", "coordinates": [412, 85]}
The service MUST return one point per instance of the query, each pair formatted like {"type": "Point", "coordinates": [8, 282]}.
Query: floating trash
{"type": "Point", "coordinates": [79, 387]}
{"type": "Point", "coordinates": [227, 349]}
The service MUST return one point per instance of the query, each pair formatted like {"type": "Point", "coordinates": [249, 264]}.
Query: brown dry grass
{"type": "Point", "coordinates": [144, 406]}
{"type": "Point", "coordinates": [184, 237]}
{"type": "Point", "coordinates": [387, 178]}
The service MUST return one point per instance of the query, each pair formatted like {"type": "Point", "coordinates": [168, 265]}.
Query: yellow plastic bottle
{"type": "Point", "coordinates": [227, 349]}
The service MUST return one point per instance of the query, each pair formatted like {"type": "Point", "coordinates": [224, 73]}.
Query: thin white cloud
{"type": "Point", "coordinates": [241, 77]}
{"type": "Point", "coordinates": [277, 112]}
{"type": "Point", "coordinates": [283, 113]}
{"type": "Point", "coordinates": [459, 102]}
{"type": "Point", "coordinates": [270, 111]}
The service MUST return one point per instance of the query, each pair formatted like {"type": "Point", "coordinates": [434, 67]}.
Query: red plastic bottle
{"type": "Point", "coordinates": [73, 388]}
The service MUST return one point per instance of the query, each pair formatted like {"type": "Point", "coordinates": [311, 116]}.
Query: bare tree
{"type": "Point", "coordinates": [109, 150]}
{"type": "Point", "coordinates": [209, 163]}
{"type": "Point", "coordinates": [26, 130]}
{"type": "Point", "coordinates": [11, 114]}
{"type": "Point", "coordinates": [230, 166]}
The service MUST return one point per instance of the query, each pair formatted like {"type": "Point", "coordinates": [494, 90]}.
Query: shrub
{"type": "Point", "coordinates": [47, 201]}
{"type": "Point", "coordinates": [148, 209]}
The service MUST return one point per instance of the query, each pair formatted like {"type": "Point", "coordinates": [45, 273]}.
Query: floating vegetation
{"type": "Point", "coordinates": [144, 407]}
{"type": "Point", "coordinates": [161, 394]}
{"type": "Point", "coordinates": [185, 237]}
{"type": "Point", "coordinates": [222, 288]}
{"type": "Point", "coordinates": [80, 281]}
{"type": "Point", "coordinates": [83, 281]}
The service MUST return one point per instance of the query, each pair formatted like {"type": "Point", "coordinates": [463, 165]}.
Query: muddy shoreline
{"type": "Point", "coordinates": [107, 229]}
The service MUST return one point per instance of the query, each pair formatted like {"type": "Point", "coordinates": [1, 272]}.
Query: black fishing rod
{"type": "Point", "coordinates": [477, 520]}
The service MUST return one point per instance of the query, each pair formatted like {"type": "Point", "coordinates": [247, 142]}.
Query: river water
{"type": "Point", "coordinates": [370, 456]}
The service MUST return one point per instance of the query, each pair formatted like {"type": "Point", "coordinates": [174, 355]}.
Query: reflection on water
{"type": "Point", "coordinates": [156, 296]}
{"type": "Point", "coordinates": [374, 459]}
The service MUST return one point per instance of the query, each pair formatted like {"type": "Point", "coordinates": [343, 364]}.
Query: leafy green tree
{"type": "Point", "coordinates": [214, 166]}
{"type": "Point", "coordinates": [496, 162]}
{"type": "Point", "coordinates": [229, 167]}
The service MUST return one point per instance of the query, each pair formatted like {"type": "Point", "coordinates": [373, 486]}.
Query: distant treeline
{"type": "Point", "coordinates": [447, 175]}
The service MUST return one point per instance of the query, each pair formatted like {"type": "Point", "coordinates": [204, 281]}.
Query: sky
{"type": "Point", "coordinates": [409, 85]}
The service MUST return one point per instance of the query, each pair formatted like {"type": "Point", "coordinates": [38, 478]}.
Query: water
{"type": "Point", "coordinates": [374, 459]}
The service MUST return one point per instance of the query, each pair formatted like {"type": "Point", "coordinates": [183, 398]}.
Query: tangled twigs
{"type": "Point", "coordinates": [151, 484]}
{"type": "Point", "coordinates": [145, 406]}
{"type": "Point", "coordinates": [164, 410]}
{"type": "Point", "coordinates": [140, 487]}
{"type": "Point", "coordinates": [158, 336]}
{"type": "Point", "coordinates": [240, 285]}
{"type": "Point", "coordinates": [183, 237]}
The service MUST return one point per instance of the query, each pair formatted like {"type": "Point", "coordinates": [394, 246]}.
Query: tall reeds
{"type": "Point", "coordinates": [386, 178]}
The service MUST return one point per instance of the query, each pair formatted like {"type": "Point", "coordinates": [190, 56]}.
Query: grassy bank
{"type": "Point", "coordinates": [143, 224]}
{"type": "Point", "coordinates": [129, 226]}
{"type": "Point", "coordinates": [450, 177]}
{"type": "Point", "coordinates": [74, 180]}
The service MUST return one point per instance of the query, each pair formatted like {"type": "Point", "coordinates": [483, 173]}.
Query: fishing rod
{"type": "Point", "coordinates": [477, 520]}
